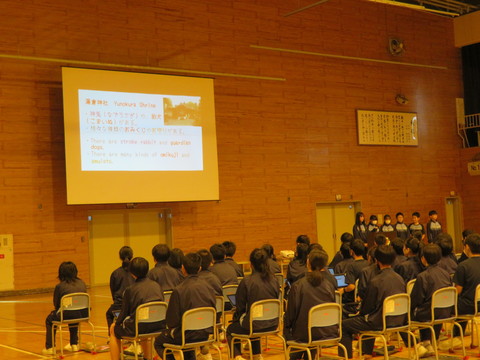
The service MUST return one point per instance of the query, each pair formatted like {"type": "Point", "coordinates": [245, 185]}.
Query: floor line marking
{"type": "Point", "coordinates": [25, 352]}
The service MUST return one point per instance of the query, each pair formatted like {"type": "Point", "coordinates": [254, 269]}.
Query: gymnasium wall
{"type": "Point", "coordinates": [283, 144]}
{"type": "Point", "coordinates": [470, 187]}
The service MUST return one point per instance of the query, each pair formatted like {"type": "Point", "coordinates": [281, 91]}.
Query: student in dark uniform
{"type": "Point", "coordinates": [224, 271]}
{"type": "Point", "coordinates": [428, 281]}
{"type": "Point", "coordinates": [143, 290]}
{"type": "Point", "coordinates": [415, 225]}
{"type": "Point", "coordinates": [466, 279]}
{"type": "Point", "coordinates": [272, 260]}
{"type": "Point", "coordinates": [206, 273]}
{"type": "Point", "coordinates": [175, 261]}
{"type": "Point", "coordinates": [345, 238]}
{"type": "Point", "coordinates": [372, 225]}
{"type": "Point", "coordinates": [230, 249]}
{"type": "Point", "coordinates": [367, 274]}
{"type": "Point", "coordinates": [260, 285]}
{"type": "Point", "coordinates": [410, 268]}
{"type": "Point", "coordinates": [311, 290]}
{"type": "Point", "coordinates": [448, 260]}
{"type": "Point", "coordinates": [360, 228]}
{"type": "Point", "coordinates": [354, 269]}
{"type": "Point", "coordinates": [120, 279]}
{"type": "Point", "coordinates": [192, 293]}
{"type": "Point", "coordinates": [400, 227]}
{"type": "Point", "coordinates": [69, 284]}
{"type": "Point", "coordinates": [341, 267]}
{"type": "Point", "coordinates": [303, 239]}
{"type": "Point", "coordinates": [298, 266]}
{"type": "Point", "coordinates": [165, 275]}
{"type": "Point", "coordinates": [398, 244]}
{"type": "Point", "coordinates": [387, 224]}
{"type": "Point", "coordinates": [385, 284]}
{"type": "Point", "coordinates": [434, 228]}
{"type": "Point", "coordinates": [465, 233]}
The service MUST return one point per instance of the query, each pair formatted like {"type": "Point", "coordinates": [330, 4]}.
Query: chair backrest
{"type": "Point", "coordinates": [198, 319]}
{"type": "Point", "coordinates": [75, 301]}
{"type": "Point", "coordinates": [396, 305]}
{"type": "Point", "coordinates": [323, 315]}
{"type": "Point", "coordinates": [477, 298]}
{"type": "Point", "coordinates": [410, 286]}
{"type": "Point", "coordinates": [280, 281]}
{"type": "Point", "coordinates": [338, 297]}
{"type": "Point", "coordinates": [150, 312]}
{"type": "Point", "coordinates": [355, 291]}
{"type": "Point", "coordinates": [229, 290]}
{"type": "Point", "coordinates": [445, 298]}
{"type": "Point", "coordinates": [219, 306]}
{"type": "Point", "coordinates": [166, 295]}
{"type": "Point", "coordinates": [262, 310]}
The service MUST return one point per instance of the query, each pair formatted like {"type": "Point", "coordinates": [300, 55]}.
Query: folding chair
{"type": "Point", "coordinates": [338, 297]}
{"type": "Point", "coordinates": [259, 311]}
{"type": "Point", "coordinates": [72, 302]}
{"type": "Point", "coordinates": [193, 320]}
{"type": "Point", "coordinates": [166, 295]}
{"type": "Point", "coordinates": [394, 305]}
{"type": "Point", "coordinates": [471, 317]}
{"type": "Point", "coordinates": [147, 313]}
{"type": "Point", "coordinates": [228, 290]}
{"type": "Point", "coordinates": [219, 307]}
{"type": "Point", "coordinates": [442, 299]}
{"type": "Point", "coordinates": [410, 286]}
{"type": "Point", "coordinates": [320, 316]}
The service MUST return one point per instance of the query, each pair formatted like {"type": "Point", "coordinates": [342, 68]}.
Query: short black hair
{"type": "Point", "coordinates": [176, 258]}
{"type": "Point", "coordinates": [191, 262]}
{"type": "Point", "coordinates": [398, 214]}
{"type": "Point", "coordinates": [416, 213]}
{"type": "Point", "coordinates": [467, 232]}
{"type": "Point", "coordinates": [346, 237]}
{"type": "Point", "coordinates": [398, 245]}
{"type": "Point", "coordinates": [302, 252]}
{"type": "Point", "coordinates": [345, 250]}
{"type": "Point", "coordinates": [230, 248]}
{"type": "Point", "coordinates": [161, 252]}
{"type": "Point", "coordinates": [358, 247]}
{"type": "Point", "coordinates": [67, 271]}
{"type": "Point", "coordinates": [303, 239]}
{"type": "Point", "coordinates": [432, 212]}
{"type": "Point", "coordinates": [269, 250]}
{"type": "Point", "coordinates": [314, 246]}
{"type": "Point", "coordinates": [125, 253]}
{"type": "Point", "coordinates": [473, 242]}
{"type": "Point", "coordinates": [386, 216]}
{"type": "Point", "coordinates": [432, 253]}
{"type": "Point", "coordinates": [139, 267]}
{"type": "Point", "coordinates": [218, 252]}
{"type": "Point", "coordinates": [380, 239]}
{"type": "Point", "coordinates": [385, 254]}
{"type": "Point", "coordinates": [413, 244]}
{"type": "Point", "coordinates": [318, 259]}
{"type": "Point", "coordinates": [206, 258]}
{"type": "Point", "coordinates": [445, 241]}
{"type": "Point", "coordinates": [373, 217]}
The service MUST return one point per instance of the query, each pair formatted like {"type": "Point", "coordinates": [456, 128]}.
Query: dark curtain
{"type": "Point", "coordinates": [471, 85]}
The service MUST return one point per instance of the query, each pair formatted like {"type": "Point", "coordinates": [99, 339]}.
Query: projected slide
{"type": "Point", "coordinates": [139, 132]}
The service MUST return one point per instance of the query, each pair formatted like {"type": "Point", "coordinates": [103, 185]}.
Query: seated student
{"type": "Point", "coordinates": [345, 238]}
{"type": "Point", "coordinates": [400, 227]}
{"type": "Point", "coordinates": [311, 290]}
{"type": "Point", "coordinates": [225, 272]}
{"type": "Point", "coordinates": [175, 261]}
{"type": "Point", "coordinates": [194, 292]}
{"type": "Point", "coordinates": [385, 284]}
{"type": "Point", "coordinates": [360, 228]}
{"type": "Point", "coordinates": [415, 225]}
{"type": "Point", "coordinates": [428, 281]}
{"type": "Point", "coordinates": [303, 239]}
{"type": "Point", "coordinates": [164, 274]}
{"type": "Point", "coordinates": [142, 291]}
{"type": "Point", "coordinates": [120, 279]}
{"type": "Point", "coordinates": [372, 226]}
{"type": "Point", "coordinates": [230, 249]}
{"type": "Point", "coordinates": [434, 228]}
{"type": "Point", "coordinates": [69, 284]}
{"type": "Point", "coordinates": [381, 239]}
{"type": "Point", "coordinates": [272, 260]}
{"type": "Point", "coordinates": [367, 274]}
{"type": "Point", "coordinates": [354, 269]}
{"type": "Point", "coordinates": [206, 273]}
{"type": "Point", "coordinates": [341, 267]}
{"type": "Point", "coordinates": [398, 244]}
{"type": "Point", "coordinates": [448, 260]}
{"type": "Point", "coordinates": [298, 266]}
{"type": "Point", "coordinates": [465, 233]}
{"type": "Point", "coordinates": [260, 285]}
{"type": "Point", "coordinates": [314, 246]}
{"type": "Point", "coordinates": [387, 224]}
{"type": "Point", "coordinates": [410, 268]}
{"type": "Point", "coordinates": [466, 279]}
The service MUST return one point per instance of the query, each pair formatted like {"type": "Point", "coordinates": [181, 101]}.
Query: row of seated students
{"type": "Point", "coordinates": [315, 286]}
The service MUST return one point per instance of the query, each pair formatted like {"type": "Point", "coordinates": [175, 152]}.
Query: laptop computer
{"type": "Point", "coordinates": [341, 280]}
{"type": "Point", "coordinates": [233, 299]}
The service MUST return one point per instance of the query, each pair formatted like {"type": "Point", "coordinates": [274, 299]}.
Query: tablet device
{"type": "Point", "coordinates": [341, 280]}
{"type": "Point", "coordinates": [232, 299]}
{"type": "Point", "coordinates": [331, 271]}
{"type": "Point", "coordinates": [115, 314]}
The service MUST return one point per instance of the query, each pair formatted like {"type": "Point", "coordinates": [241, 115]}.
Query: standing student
{"type": "Point", "coordinates": [434, 228]}
{"type": "Point", "coordinates": [120, 279]}
{"type": "Point", "coordinates": [162, 273]}
{"type": "Point", "coordinates": [142, 291]}
{"type": "Point", "coordinates": [400, 227]}
{"type": "Point", "coordinates": [387, 224]}
{"type": "Point", "coordinates": [345, 238]}
{"type": "Point", "coordinates": [260, 285]}
{"type": "Point", "coordinates": [225, 272]}
{"type": "Point", "coordinates": [230, 249]}
{"type": "Point", "coordinates": [313, 289]}
{"type": "Point", "coordinates": [410, 268]}
{"type": "Point", "coordinates": [415, 225]}
{"type": "Point", "coordinates": [372, 225]}
{"type": "Point", "coordinates": [298, 266]}
{"type": "Point", "coordinates": [272, 260]}
{"type": "Point", "coordinates": [194, 292]}
{"type": "Point", "coordinates": [448, 261]}
{"type": "Point", "coordinates": [69, 284]}
{"type": "Point", "coordinates": [360, 228]}
{"type": "Point", "coordinates": [341, 267]}
{"type": "Point", "coordinates": [385, 284]}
